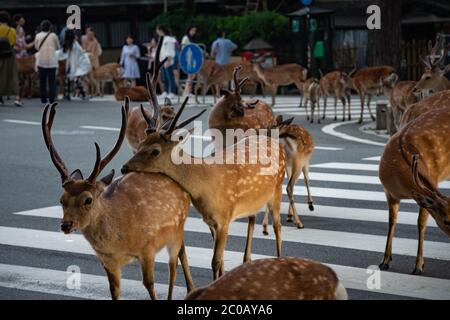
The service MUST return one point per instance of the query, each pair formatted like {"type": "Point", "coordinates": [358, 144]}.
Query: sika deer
{"type": "Point", "coordinates": [221, 191]}
{"type": "Point", "coordinates": [109, 72]}
{"type": "Point", "coordinates": [336, 84]}
{"type": "Point", "coordinates": [400, 98]}
{"type": "Point", "coordinates": [370, 81]}
{"type": "Point", "coordinates": [286, 278]}
{"type": "Point", "coordinates": [426, 138]}
{"type": "Point", "coordinates": [133, 217]}
{"type": "Point", "coordinates": [282, 75]}
{"type": "Point", "coordinates": [311, 93]}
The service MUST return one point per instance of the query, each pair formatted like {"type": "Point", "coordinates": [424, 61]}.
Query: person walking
{"type": "Point", "coordinates": [188, 38]}
{"type": "Point", "coordinates": [9, 80]}
{"type": "Point", "coordinates": [128, 60]}
{"type": "Point", "coordinates": [168, 51]}
{"type": "Point", "coordinates": [46, 43]}
{"type": "Point", "coordinates": [222, 48]}
{"type": "Point", "coordinates": [91, 45]}
{"type": "Point", "coordinates": [77, 64]}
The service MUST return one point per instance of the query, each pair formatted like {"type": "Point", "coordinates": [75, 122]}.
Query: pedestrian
{"type": "Point", "coordinates": [77, 64]}
{"type": "Point", "coordinates": [188, 38]}
{"type": "Point", "coordinates": [91, 45]}
{"type": "Point", "coordinates": [168, 51]}
{"type": "Point", "coordinates": [9, 80]}
{"type": "Point", "coordinates": [222, 48]}
{"type": "Point", "coordinates": [21, 46]}
{"type": "Point", "coordinates": [128, 60]}
{"type": "Point", "coordinates": [46, 43]}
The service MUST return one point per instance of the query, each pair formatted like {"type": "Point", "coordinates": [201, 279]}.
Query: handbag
{"type": "Point", "coordinates": [36, 55]}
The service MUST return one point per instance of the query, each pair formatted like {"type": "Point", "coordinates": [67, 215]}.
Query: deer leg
{"type": "Point", "coordinates": [325, 98]}
{"type": "Point", "coordinates": [275, 208]}
{"type": "Point", "coordinates": [393, 205]}
{"type": "Point", "coordinates": [113, 273]}
{"type": "Point", "coordinates": [306, 109]}
{"type": "Point", "coordinates": [186, 270]}
{"type": "Point", "coordinates": [313, 109]}
{"type": "Point", "coordinates": [316, 103]}
{"type": "Point", "coordinates": [335, 108]}
{"type": "Point", "coordinates": [368, 107]}
{"type": "Point", "coordinates": [305, 171]}
{"type": "Point", "coordinates": [274, 93]}
{"type": "Point", "coordinates": [421, 226]}
{"type": "Point", "coordinates": [248, 245]}
{"type": "Point", "coordinates": [148, 275]}
{"type": "Point", "coordinates": [362, 96]}
{"type": "Point", "coordinates": [290, 215]}
{"type": "Point", "coordinates": [343, 107]}
{"type": "Point", "coordinates": [349, 98]}
{"type": "Point", "coordinates": [266, 221]}
{"type": "Point", "coordinates": [174, 252]}
{"type": "Point", "coordinates": [219, 248]}
{"type": "Point", "coordinates": [290, 192]}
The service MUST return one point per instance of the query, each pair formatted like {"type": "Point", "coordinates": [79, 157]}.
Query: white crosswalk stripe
{"type": "Point", "coordinates": [368, 190]}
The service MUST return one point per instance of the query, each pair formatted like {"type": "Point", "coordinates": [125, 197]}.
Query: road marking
{"type": "Point", "coordinates": [351, 277]}
{"type": "Point", "coordinates": [327, 212]}
{"type": "Point", "coordinates": [328, 148]}
{"type": "Point", "coordinates": [92, 286]}
{"type": "Point", "coordinates": [330, 130]}
{"type": "Point", "coordinates": [100, 128]}
{"type": "Point", "coordinates": [377, 158]}
{"type": "Point", "coordinates": [347, 166]}
{"type": "Point", "coordinates": [34, 123]}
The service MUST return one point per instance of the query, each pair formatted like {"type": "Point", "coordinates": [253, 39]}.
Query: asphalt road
{"type": "Point", "coordinates": [347, 230]}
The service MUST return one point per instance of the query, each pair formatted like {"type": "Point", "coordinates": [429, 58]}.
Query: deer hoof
{"type": "Point", "coordinates": [289, 219]}
{"type": "Point", "coordinates": [335, 118]}
{"type": "Point", "coordinates": [384, 266]}
{"type": "Point", "coordinates": [311, 207]}
{"type": "Point", "coordinates": [265, 233]}
{"type": "Point", "coordinates": [417, 271]}
{"type": "Point", "coordinates": [343, 119]}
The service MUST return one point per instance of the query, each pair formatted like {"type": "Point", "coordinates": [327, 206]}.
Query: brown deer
{"type": "Point", "coordinates": [232, 112]}
{"type": "Point", "coordinates": [240, 189]}
{"type": "Point", "coordinates": [423, 148]}
{"type": "Point", "coordinates": [311, 93]}
{"type": "Point", "coordinates": [336, 84]}
{"type": "Point", "coordinates": [401, 97]}
{"type": "Point", "coordinates": [133, 217]}
{"type": "Point", "coordinates": [260, 280]}
{"type": "Point", "coordinates": [370, 81]}
{"type": "Point", "coordinates": [282, 75]}
{"type": "Point", "coordinates": [26, 71]}
{"type": "Point", "coordinates": [109, 72]}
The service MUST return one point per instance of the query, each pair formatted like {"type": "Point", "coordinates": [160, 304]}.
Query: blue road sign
{"type": "Point", "coordinates": [306, 2]}
{"type": "Point", "coordinates": [191, 59]}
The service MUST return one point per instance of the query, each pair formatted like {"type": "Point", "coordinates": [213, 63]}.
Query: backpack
{"type": "Point", "coordinates": [6, 49]}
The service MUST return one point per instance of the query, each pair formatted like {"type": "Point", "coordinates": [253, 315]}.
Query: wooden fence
{"type": "Point", "coordinates": [412, 51]}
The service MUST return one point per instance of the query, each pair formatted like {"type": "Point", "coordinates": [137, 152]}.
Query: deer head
{"type": "Point", "coordinates": [434, 68]}
{"type": "Point", "coordinates": [231, 103]}
{"type": "Point", "coordinates": [80, 195]}
{"type": "Point", "coordinates": [429, 197]}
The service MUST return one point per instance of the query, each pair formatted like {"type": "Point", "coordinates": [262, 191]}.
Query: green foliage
{"type": "Point", "coordinates": [267, 25]}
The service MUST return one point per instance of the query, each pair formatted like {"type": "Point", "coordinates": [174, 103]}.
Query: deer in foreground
{"type": "Point", "coordinates": [311, 93]}
{"type": "Point", "coordinates": [414, 161]}
{"type": "Point", "coordinates": [109, 72]}
{"type": "Point", "coordinates": [220, 191]}
{"type": "Point", "coordinates": [132, 217]}
{"type": "Point", "coordinates": [260, 280]}
{"type": "Point", "coordinates": [370, 81]}
{"type": "Point", "coordinates": [282, 75]}
{"type": "Point", "coordinates": [336, 84]}
{"type": "Point", "coordinates": [232, 112]}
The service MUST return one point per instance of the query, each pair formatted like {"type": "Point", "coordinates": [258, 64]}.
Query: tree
{"type": "Point", "coordinates": [384, 44]}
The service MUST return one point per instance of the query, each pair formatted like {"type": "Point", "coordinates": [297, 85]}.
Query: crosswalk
{"type": "Point", "coordinates": [328, 229]}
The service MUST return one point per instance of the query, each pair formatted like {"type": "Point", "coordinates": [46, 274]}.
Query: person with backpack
{"type": "Point", "coordinates": [47, 43]}
{"type": "Point", "coordinates": [9, 79]}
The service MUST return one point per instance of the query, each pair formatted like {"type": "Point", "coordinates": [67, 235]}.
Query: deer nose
{"type": "Point", "coordinates": [125, 169]}
{"type": "Point", "coordinates": [66, 226]}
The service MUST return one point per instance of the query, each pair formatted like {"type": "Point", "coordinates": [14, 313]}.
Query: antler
{"type": "Point", "coordinates": [429, 63]}
{"type": "Point", "coordinates": [46, 132]}
{"type": "Point", "coordinates": [173, 123]}
{"type": "Point", "coordinates": [151, 83]}
{"type": "Point", "coordinates": [238, 85]}
{"type": "Point", "coordinates": [101, 164]}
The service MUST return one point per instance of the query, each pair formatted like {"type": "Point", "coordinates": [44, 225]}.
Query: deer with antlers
{"type": "Point", "coordinates": [414, 161]}
{"type": "Point", "coordinates": [336, 84]}
{"type": "Point", "coordinates": [232, 112]}
{"type": "Point", "coordinates": [132, 217]}
{"type": "Point", "coordinates": [370, 81]}
{"type": "Point", "coordinates": [282, 75]}
{"type": "Point", "coordinates": [244, 186]}
{"type": "Point", "coordinates": [260, 280]}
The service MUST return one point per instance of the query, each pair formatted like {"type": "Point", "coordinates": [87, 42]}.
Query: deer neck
{"type": "Point", "coordinates": [260, 73]}
{"type": "Point", "coordinates": [97, 232]}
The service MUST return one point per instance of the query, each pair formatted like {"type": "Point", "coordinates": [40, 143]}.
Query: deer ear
{"type": "Point", "coordinates": [432, 202]}
{"type": "Point", "coordinates": [167, 102]}
{"type": "Point", "coordinates": [76, 175]}
{"type": "Point", "coordinates": [108, 178]}
{"type": "Point", "coordinates": [224, 92]}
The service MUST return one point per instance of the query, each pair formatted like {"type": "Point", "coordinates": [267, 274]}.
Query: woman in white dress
{"type": "Point", "coordinates": [128, 61]}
